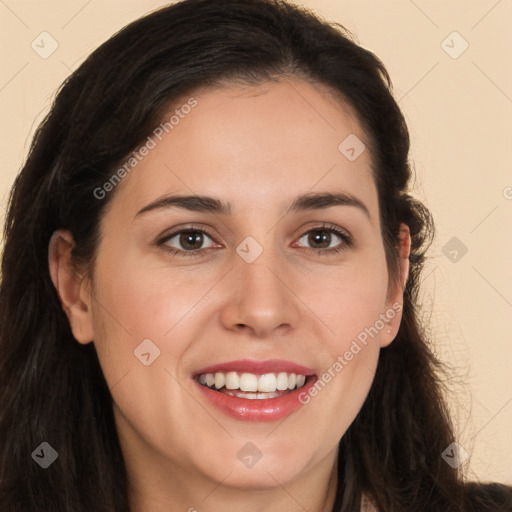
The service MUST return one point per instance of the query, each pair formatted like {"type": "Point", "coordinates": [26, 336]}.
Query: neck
{"type": "Point", "coordinates": [159, 485]}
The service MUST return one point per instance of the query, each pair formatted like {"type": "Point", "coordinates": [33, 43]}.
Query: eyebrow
{"type": "Point", "coordinates": [206, 204]}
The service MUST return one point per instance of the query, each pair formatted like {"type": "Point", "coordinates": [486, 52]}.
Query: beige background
{"type": "Point", "coordinates": [459, 113]}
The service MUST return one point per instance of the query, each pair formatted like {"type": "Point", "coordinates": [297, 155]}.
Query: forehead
{"type": "Point", "coordinates": [255, 146]}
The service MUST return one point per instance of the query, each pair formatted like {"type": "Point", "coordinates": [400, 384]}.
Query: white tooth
{"type": "Point", "coordinates": [232, 380]}
{"type": "Point", "coordinates": [253, 396]}
{"type": "Point", "coordinates": [248, 382]}
{"type": "Point", "coordinates": [282, 381]}
{"type": "Point", "coordinates": [220, 380]}
{"type": "Point", "coordinates": [267, 383]}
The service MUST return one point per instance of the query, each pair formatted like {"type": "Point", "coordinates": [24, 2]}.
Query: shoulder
{"type": "Point", "coordinates": [366, 504]}
{"type": "Point", "coordinates": [487, 497]}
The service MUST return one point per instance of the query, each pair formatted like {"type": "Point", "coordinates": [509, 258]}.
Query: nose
{"type": "Point", "coordinates": [260, 299]}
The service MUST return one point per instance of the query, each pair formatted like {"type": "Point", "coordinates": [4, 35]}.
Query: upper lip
{"type": "Point", "coordinates": [257, 367]}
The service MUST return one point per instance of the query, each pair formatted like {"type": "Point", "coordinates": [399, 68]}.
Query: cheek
{"type": "Point", "coordinates": [136, 302]}
{"type": "Point", "coordinates": [138, 312]}
{"type": "Point", "coordinates": [145, 302]}
{"type": "Point", "coordinates": [350, 304]}
{"type": "Point", "coordinates": [132, 306]}
{"type": "Point", "coordinates": [348, 300]}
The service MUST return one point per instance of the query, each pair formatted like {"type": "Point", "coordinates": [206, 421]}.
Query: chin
{"type": "Point", "coordinates": [264, 471]}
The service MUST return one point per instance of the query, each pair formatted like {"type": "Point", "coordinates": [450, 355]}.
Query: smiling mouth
{"type": "Point", "coordinates": [253, 386]}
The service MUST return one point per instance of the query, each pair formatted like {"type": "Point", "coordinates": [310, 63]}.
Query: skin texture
{"type": "Point", "coordinates": [257, 147]}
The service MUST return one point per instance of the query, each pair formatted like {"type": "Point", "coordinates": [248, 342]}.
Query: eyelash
{"type": "Point", "coordinates": [345, 237]}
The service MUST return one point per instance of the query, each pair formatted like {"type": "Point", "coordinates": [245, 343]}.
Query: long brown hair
{"type": "Point", "coordinates": [52, 388]}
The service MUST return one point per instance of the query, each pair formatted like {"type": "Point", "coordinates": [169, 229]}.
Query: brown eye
{"type": "Point", "coordinates": [186, 241]}
{"type": "Point", "coordinates": [320, 240]}
{"type": "Point", "coordinates": [191, 240]}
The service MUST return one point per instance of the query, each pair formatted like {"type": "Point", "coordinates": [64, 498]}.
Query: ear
{"type": "Point", "coordinates": [392, 315]}
{"type": "Point", "coordinates": [72, 288]}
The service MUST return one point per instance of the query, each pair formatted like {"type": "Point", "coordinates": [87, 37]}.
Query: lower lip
{"type": "Point", "coordinates": [266, 409]}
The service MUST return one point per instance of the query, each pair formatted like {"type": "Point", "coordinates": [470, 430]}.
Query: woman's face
{"type": "Point", "coordinates": [269, 294]}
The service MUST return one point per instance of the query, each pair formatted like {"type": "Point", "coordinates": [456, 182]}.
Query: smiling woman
{"type": "Point", "coordinates": [214, 308]}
